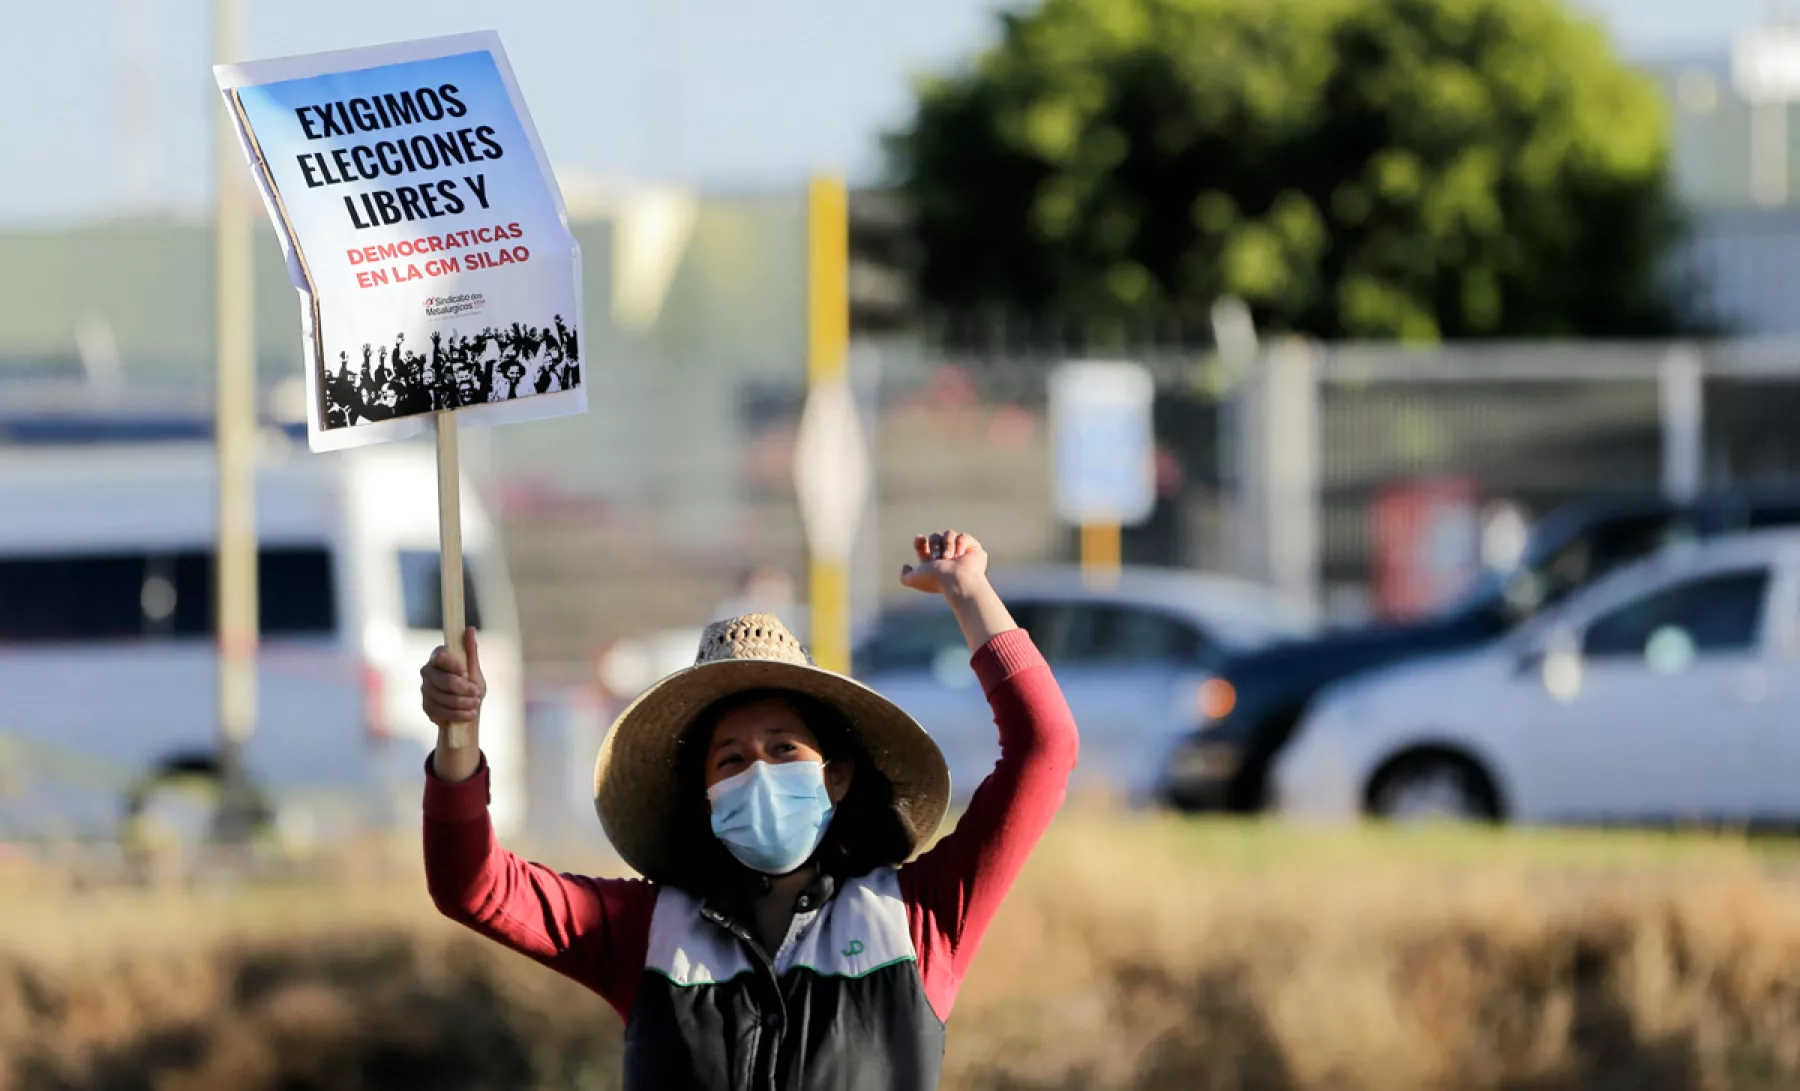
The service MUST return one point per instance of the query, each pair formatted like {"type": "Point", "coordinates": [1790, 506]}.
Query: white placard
{"type": "Point", "coordinates": [424, 230]}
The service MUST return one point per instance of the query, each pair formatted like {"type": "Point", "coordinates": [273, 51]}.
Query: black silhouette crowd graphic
{"type": "Point", "coordinates": [494, 365]}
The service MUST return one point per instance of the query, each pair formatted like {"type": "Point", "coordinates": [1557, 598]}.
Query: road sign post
{"type": "Point", "coordinates": [1103, 458]}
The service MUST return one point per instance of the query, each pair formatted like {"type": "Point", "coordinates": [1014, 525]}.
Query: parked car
{"type": "Point", "coordinates": [1251, 708]}
{"type": "Point", "coordinates": [108, 664]}
{"type": "Point", "coordinates": [1131, 660]}
{"type": "Point", "coordinates": [1666, 692]}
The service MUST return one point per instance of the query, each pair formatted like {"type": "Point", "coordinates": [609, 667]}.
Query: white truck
{"type": "Point", "coordinates": [108, 664]}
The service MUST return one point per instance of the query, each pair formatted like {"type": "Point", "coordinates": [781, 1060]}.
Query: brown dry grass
{"type": "Point", "coordinates": [1134, 954]}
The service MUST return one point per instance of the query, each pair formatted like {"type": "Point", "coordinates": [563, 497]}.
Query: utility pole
{"type": "Point", "coordinates": [137, 37]}
{"type": "Point", "coordinates": [831, 463]}
{"type": "Point", "coordinates": [235, 436]}
{"type": "Point", "coordinates": [666, 49]}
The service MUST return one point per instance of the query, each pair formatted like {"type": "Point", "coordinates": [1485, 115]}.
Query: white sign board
{"type": "Point", "coordinates": [1104, 458]}
{"type": "Point", "coordinates": [425, 233]}
{"type": "Point", "coordinates": [831, 470]}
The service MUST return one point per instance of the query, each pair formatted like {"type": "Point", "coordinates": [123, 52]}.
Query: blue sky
{"type": "Point", "coordinates": [723, 93]}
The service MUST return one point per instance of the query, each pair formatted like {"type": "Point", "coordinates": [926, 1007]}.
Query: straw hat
{"type": "Point", "coordinates": [637, 789]}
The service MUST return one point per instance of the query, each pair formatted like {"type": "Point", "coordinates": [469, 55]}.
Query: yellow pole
{"type": "Point", "coordinates": [235, 435]}
{"type": "Point", "coordinates": [827, 359]}
{"type": "Point", "coordinates": [1101, 554]}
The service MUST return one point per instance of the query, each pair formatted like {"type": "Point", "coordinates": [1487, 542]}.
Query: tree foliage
{"type": "Point", "coordinates": [1413, 169]}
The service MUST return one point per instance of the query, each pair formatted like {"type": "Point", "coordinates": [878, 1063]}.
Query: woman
{"type": "Point", "coordinates": [775, 940]}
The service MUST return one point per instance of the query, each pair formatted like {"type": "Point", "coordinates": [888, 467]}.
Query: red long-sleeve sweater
{"type": "Point", "coordinates": [596, 930]}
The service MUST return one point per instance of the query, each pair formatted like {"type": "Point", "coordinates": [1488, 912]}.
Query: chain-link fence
{"type": "Point", "coordinates": [959, 437]}
{"type": "Point", "coordinates": [1540, 425]}
{"type": "Point", "coordinates": [649, 511]}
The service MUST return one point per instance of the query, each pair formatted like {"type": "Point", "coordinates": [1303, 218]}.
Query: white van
{"type": "Point", "coordinates": [108, 672]}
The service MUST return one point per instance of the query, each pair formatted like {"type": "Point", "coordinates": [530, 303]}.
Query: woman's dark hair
{"type": "Point", "coordinates": [866, 830]}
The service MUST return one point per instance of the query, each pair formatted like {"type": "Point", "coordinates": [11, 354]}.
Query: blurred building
{"type": "Point", "coordinates": [1744, 233]}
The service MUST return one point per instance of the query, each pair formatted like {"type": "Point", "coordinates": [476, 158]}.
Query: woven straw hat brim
{"type": "Point", "coordinates": [637, 789]}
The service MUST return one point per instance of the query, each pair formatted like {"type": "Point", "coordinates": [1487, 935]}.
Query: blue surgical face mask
{"type": "Point", "coordinates": [772, 817]}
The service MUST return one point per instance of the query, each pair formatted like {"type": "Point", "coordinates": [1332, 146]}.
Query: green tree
{"type": "Point", "coordinates": [1418, 169]}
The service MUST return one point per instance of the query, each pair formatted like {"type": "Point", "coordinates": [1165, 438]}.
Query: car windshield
{"type": "Point", "coordinates": [1564, 554]}
{"type": "Point", "coordinates": [1487, 589]}
{"type": "Point", "coordinates": [913, 638]}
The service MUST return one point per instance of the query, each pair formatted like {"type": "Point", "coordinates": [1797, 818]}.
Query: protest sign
{"type": "Point", "coordinates": [424, 230]}
{"type": "Point", "coordinates": [425, 233]}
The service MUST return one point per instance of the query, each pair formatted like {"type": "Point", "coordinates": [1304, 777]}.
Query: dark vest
{"type": "Point", "coordinates": [840, 1005]}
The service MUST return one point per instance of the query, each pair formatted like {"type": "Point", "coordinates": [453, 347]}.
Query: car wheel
{"type": "Point", "coordinates": [1433, 788]}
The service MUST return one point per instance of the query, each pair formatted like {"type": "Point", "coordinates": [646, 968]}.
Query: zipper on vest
{"type": "Point", "coordinates": [774, 1020]}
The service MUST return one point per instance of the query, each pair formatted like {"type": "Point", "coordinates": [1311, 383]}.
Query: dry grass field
{"type": "Point", "coordinates": [1136, 953]}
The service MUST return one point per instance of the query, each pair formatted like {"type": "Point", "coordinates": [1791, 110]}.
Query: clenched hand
{"type": "Point", "coordinates": [954, 564]}
{"type": "Point", "coordinates": [451, 693]}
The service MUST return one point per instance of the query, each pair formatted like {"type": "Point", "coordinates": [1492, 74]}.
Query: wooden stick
{"type": "Point", "coordinates": [450, 559]}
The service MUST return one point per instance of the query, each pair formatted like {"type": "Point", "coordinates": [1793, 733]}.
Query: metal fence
{"type": "Point", "coordinates": [1540, 425]}
{"type": "Point", "coordinates": [1275, 470]}
{"type": "Point", "coordinates": [647, 512]}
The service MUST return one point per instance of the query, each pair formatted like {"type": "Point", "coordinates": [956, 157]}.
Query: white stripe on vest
{"type": "Point", "coordinates": [860, 930]}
